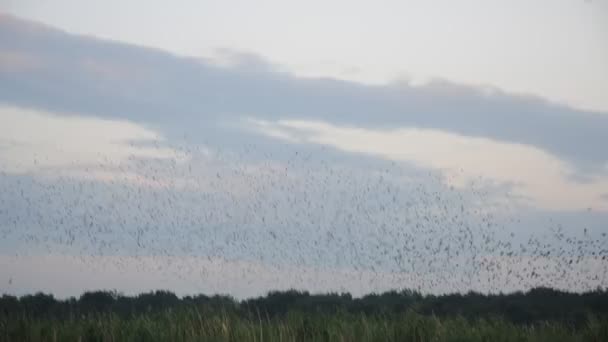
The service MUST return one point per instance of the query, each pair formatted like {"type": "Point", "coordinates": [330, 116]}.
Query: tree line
{"type": "Point", "coordinates": [534, 306]}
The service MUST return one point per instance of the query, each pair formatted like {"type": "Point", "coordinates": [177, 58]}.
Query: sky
{"type": "Point", "coordinates": [354, 145]}
{"type": "Point", "coordinates": [553, 48]}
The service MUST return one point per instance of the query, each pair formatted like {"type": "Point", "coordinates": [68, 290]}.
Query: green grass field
{"type": "Point", "coordinates": [192, 325]}
{"type": "Point", "coordinates": [540, 314]}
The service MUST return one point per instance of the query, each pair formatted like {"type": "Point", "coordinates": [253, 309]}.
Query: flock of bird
{"type": "Point", "coordinates": [303, 213]}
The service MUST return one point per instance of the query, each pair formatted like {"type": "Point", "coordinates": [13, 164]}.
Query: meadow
{"type": "Point", "coordinates": [191, 325]}
{"type": "Point", "coordinates": [538, 315]}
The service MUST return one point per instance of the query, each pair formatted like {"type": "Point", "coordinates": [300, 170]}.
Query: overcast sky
{"type": "Point", "coordinates": [553, 48]}
{"type": "Point", "coordinates": [239, 146]}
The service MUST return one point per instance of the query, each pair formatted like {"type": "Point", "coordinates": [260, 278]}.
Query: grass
{"type": "Point", "coordinates": [192, 324]}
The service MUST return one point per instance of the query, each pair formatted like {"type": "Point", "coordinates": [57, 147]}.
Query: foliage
{"type": "Point", "coordinates": [538, 315]}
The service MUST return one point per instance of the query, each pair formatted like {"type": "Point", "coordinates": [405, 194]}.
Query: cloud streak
{"type": "Point", "coordinates": [532, 172]}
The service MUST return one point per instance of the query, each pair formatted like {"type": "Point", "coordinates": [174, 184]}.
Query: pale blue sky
{"type": "Point", "coordinates": [557, 49]}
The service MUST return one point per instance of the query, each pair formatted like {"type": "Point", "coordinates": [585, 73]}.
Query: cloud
{"type": "Point", "coordinates": [89, 76]}
{"type": "Point", "coordinates": [38, 141]}
{"type": "Point", "coordinates": [11, 61]}
{"type": "Point", "coordinates": [532, 172]}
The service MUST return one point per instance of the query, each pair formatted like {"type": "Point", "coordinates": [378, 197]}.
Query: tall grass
{"type": "Point", "coordinates": [192, 324]}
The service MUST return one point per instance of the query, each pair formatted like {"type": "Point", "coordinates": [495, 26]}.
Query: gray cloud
{"type": "Point", "coordinates": [46, 68]}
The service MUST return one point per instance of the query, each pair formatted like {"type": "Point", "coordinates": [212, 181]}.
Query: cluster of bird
{"type": "Point", "coordinates": [298, 210]}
